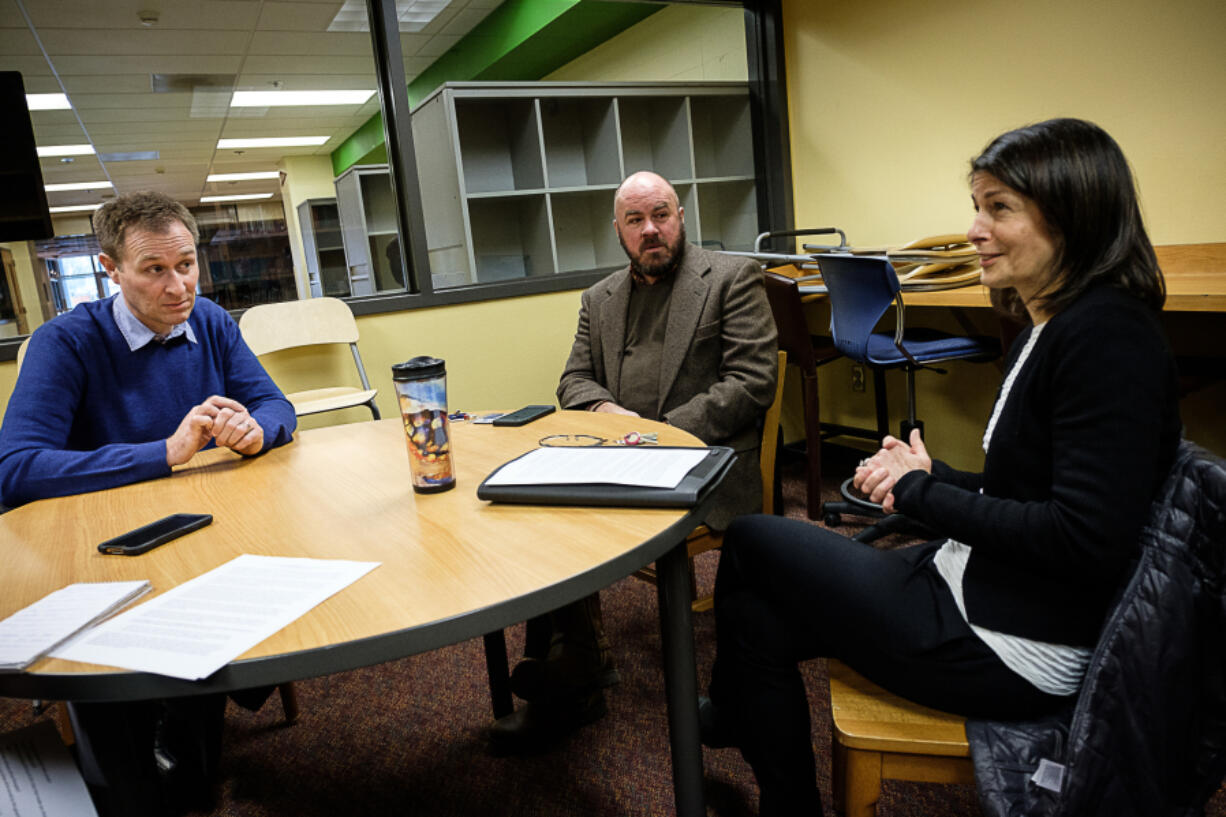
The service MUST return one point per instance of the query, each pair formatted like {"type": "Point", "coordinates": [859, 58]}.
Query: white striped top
{"type": "Point", "coordinates": [1056, 669]}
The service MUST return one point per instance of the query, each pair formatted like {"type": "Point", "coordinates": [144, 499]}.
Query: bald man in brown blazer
{"type": "Point", "coordinates": [681, 335]}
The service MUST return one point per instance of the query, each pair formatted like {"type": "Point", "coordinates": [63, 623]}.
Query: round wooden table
{"type": "Point", "coordinates": [452, 566]}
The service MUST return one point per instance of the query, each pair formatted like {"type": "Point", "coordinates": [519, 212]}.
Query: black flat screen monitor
{"type": "Point", "coordinates": [23, 201]}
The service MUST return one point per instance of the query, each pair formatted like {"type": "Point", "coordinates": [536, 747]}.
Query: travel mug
{"type": "Point", "coordinates": [421, 390]}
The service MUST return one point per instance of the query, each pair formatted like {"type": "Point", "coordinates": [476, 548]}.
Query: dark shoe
{"type": "Point", "coordinates": [570, 670]}
{"type": "Point", "coordinates": [714, 733]}
{"type": "Point", "coordinates": [537, 725]}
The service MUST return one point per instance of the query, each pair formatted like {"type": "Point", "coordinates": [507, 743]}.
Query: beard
{"type": "Point", "coordinates": [657, 269]}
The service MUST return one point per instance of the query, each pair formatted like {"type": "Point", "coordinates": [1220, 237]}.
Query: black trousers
{"type": "Point", "coordinates": [120, 747]}
{"type": "Point", "coordinates": [787, 591]}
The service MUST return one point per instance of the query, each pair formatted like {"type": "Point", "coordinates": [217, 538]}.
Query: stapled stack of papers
{"type": "Point", "coordinates": [34, 631]}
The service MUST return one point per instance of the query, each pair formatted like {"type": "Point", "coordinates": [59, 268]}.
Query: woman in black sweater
{"type": "Point", "coordinates": [998, 620]}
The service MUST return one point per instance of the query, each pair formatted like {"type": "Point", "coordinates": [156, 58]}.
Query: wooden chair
{"type": "Point", "coordinates": [807, 352]}
{"type": "Point", "coordinates": [877, 736]}
{"type": "Point", "coordinates": [703, 538]}
{"type": "Point", "coordinates": [21, 353]}
{"type": "Point", "coordinates": [275, 327]}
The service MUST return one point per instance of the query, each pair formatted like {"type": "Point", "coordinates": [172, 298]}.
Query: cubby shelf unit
{"type": "Point", "coordinates": [517, 180]}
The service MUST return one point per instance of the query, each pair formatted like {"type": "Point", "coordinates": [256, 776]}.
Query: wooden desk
{"type": "Point", "coordinates": [1195, 282]}
{"type": "Point", "coordinates": [452, 567]}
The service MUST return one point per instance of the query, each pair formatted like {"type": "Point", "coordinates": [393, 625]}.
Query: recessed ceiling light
{"type": "Point", "coordinates": [277, 99]}
{"type": "Point", "coordinates": [51, 188]}
{"type": "Point", "coordinates": [243, 177]}
{"type": "Point", "coordinates": [47, 102]}
{"type": "Point", "coordinates": [272, 142]}
{"type": "Point", "coordinates": [238, 197]}
{"type": "Point", "coordinates": [75, 208]}
{"type": "Point", "coordinates": [65, 150]}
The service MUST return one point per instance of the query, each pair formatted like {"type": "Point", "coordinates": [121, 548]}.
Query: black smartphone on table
{"type": "Point", "coordinates": [523, 416]}
{"type": "Point", "coordinates": [147, 537]}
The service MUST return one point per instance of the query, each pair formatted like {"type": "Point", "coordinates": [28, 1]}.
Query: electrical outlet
{"type": "Point", "coordinates": [857, 378]}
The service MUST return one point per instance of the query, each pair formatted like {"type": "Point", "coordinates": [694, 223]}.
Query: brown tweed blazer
{"type": "Point", "coordinates": [717, 369]}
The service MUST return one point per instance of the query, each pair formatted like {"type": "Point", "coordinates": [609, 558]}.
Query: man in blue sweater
{"type": "Point", "coordinates": [122, 390]}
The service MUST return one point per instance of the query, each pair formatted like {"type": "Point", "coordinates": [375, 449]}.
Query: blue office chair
{"type": "Point", "coordinates": [862, 288]}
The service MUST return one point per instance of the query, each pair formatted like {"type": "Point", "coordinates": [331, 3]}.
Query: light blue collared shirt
{"type": "Point", "coordinates": [136, 333]}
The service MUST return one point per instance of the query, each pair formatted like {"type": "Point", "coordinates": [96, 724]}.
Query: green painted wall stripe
{"type": "Point", "coordinates": [503, 31]}
{"type": "Point", "coordinates": [361, 142]}
{"type": "Point", "coordinates": [521, 40]}
{"type": "Point", "coordinates": [568, 37]}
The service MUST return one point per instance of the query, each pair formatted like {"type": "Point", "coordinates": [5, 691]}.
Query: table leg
{"type": "Point", "coordinates": [500, 675]}
{"type": "Point", "coordinates": [681, 680]}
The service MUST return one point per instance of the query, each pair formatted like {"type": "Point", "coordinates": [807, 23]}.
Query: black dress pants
{"type": "Point", "coordinates": [787, 591]}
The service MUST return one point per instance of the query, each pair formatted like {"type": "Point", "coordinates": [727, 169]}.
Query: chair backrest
{"type": "Point", "coordinates": [273, 327]}
{"type": "Point", "coordinates": [861, 289]}
{"type": "Point", "coordinates": [21, 353]}
{"type": "Point", "coordinates": [770, 439]}
{"type": "Point", "coordinates": [784, 296]}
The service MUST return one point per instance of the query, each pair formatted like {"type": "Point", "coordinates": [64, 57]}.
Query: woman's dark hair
{"type": "Point", "coordinates": [1078, 177]}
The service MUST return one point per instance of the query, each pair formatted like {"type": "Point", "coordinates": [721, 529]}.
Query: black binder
{"type": "Point", "coordinates": [694, 487]}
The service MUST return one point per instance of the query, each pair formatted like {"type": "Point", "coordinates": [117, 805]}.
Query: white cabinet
{"type": "Point", "coordinates": [327, 270]}
{"type": "Point", "coordinates": [517, 180]}
{"type": "Point", "coordinates": [368, 226]}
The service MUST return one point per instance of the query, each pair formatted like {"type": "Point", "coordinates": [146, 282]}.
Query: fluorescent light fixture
{"type": "Point", "coordinates": [47, 102]}
{"type": "Point", "coordinates": [243, 177]}
{"type": "Point", "coordinates": [277, 99]}
{"type": "Point", "coordinates": [76, 208]}
{"type": "Point", "coordinates": [65, 150]}
{"type": "Point", "coordinates": [238, 197]}
{"type": "Point", "coordinates": [131, 156]}
{"type": "Point", "coordinates": [272, 142]}
{"type": "Point", "coordinates": [51, 188]}
{"type": "Point", "coordinates": [412, 15]}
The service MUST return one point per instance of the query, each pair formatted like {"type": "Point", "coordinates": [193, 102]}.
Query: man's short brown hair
{"type": "Point", "coordinates": [146, 210]}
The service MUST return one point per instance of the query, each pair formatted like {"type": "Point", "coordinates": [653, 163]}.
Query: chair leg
{"type": "Point", "coordinates": [880, 400]}
{"type": "Point", "coordinates": [838, 775]}
{"type": "Point", "coordinates": [862, 783]}
{"type": "Point", "coordinates": [289, 702]}
{"type": "Point", "coordinates": [499, 672]}
{"type": "Point", "coordinates": [813, 448]}
{"type": "Point", "coordinates": [374, 410]}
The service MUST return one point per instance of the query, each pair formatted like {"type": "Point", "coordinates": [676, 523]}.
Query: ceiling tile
{"type": "Point", "coordinates": [185, 15]}
{"type": "Point", "coordinates": [332, 44]}
{"type": "Point", "coordinates": [297, 16]}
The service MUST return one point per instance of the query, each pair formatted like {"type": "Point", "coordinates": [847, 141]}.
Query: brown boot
{"type": "Point", "coordinates": [538, 725]}
{"type": "Point", "coordinates": [579, 660]}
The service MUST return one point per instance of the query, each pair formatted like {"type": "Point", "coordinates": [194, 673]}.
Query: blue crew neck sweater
{"type": "Point", "coordinates": [88, 413]}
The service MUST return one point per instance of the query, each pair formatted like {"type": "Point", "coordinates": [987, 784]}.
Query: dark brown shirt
{"type": "Point", "coordinates": [646, 320]}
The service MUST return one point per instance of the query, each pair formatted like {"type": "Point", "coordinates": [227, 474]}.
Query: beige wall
{"type": "Point", "coordinates": [679, 43]}
{"type": "Point", "coordinates": [889, 100]}
{"type": "Point", "coordinates": [24, 260]}
{"type": "Point", "coordinates": [499, 354]}
{"type": "Point", "coordinates": [306, 177]}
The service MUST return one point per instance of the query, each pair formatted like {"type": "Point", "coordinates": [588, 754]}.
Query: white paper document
{"type": "Point", "coordinates": [646, 467]}
{"type": "Point", "coordinates": [38, 777]}
{"type": "Point", "coordinates": [200, 626]}
{"type": "Point", "coordinates": [28, 634]}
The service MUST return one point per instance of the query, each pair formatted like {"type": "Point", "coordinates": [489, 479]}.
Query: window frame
{"type": "Point", "coordinates": [768, 109]}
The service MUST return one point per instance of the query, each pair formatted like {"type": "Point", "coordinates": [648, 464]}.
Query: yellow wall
{"type": "Point", "coordinates": [499, 354]}
{"type": "Point", "coordinates": [890, 99]}
{"type": "Point", "coordinates": [24, 260]}
{"type": "Point", "coordinates": [306, 177]}
{"type": "Point", "coordinates": [678, 43]}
